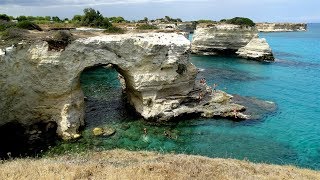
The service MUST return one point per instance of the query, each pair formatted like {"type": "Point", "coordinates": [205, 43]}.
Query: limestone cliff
{"type": "Point", "coordinates": [257, 49]}
{"type": "Point", "coordinates": [41, 84]}
{"type": "Point", "coordinates": [281, 27]}
{"type": "Point", "coordinates": [228, 39]}
{"type": "Point", "coordinates": [187, 27]}
{"type": "Point", "coordinates": [182, 26]}
{"type": "Point", "coordinates": [221, 38]}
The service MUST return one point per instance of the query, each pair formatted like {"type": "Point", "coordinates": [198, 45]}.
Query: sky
{"type": "Point", "coordinates": [257, 10]}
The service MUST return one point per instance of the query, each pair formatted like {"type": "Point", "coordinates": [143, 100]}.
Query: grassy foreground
{"type": "Point", "coordinates": [122, 164]}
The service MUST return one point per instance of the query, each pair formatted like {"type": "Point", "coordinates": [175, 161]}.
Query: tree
{"type": "Point", "coordinates": [239, 21]}
{"type": "Point", "coordinates": [4, 17]}
{"type": "Point", "coordinates": [31, 18]}
{"type": "Point", "coordinates": [117, 19]}
{"type": "Point", "coordinates": [77, 18]}
{"type": "Point", "coordinates": [167, 18]}
{"type": "Point", "coordinates": [56, 19]}
{"type": "Point", "coordinates": [21, 18]}
{"type": "Point", "coordinates": [94, 18]}
{"type": "Point", "coordinates": [47, 18]}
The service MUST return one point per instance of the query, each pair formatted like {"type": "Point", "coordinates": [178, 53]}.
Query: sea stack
{"type": "Point", "coordinates": [228, 39]}
{"type": "Point", "coordinates": [257, 49]}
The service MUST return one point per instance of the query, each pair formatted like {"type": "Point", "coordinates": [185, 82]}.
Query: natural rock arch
{"type": "Point", "coordinates": [38, 85]}
{"type": "Point", "coordinates": [46, 84]}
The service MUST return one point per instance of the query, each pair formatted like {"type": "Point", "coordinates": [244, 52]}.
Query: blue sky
{"type": "Point", "coordinates": [258, 10]}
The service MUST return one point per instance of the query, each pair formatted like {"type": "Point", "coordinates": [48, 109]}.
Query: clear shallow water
{"type": "Point", "coordinates": [291, 135]}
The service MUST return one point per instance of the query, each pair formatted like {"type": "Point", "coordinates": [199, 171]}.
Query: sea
{"type": "Point", "coordinates": [288, 136]}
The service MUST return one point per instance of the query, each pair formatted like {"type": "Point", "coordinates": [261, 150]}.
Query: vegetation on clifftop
{"type": "Point", "coordinates": [146, 27]}
{"type": "Point", "coordinates": [239, 21]}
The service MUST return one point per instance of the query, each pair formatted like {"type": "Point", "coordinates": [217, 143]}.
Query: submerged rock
{"type": "Point", "coordinates": [255, 108]}
{"type": "Point", "coordinates": [106, 131]}
{"type": "Point", "coordinates": [97, 131]}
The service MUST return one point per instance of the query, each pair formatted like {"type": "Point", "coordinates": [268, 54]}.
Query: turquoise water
{"type": "Point", "coordinates": [291, 135]}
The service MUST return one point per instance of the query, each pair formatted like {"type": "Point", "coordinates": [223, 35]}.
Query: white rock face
{"type": "Point", "coordinates": [231, 39]}
{"type": "Point", "coordinates": [257, 49]}
{"type": "Point", "coordinates": [281, 27]}
{"type": "Point", "coordinates": [37, 85]}
{"type": "Point", "coordinates": [221, 38]}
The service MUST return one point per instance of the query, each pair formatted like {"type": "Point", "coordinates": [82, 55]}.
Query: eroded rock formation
{"type": "Point", "coordinates": [256, 49]}
{"type": "Point", "coordinates": [39, 85]}
{"type": "Point", "coordinates": [227, 39]}
{"type": "Point", "coordinates": [220, 38]}
{"type": "Point", "coordinates": [281, 27]}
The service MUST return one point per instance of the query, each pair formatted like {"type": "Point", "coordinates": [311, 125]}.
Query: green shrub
{"type": "Point", "coordinates": [63, 35]}
{"type": "Point", "coordinates": [6, 25]}
{"type": "Point", "coordinates": [239, 21]}
{"type": "Point", "coordinates": [14, 33]}
{"type": "Point", "coordinates": [4, 17]}
{"type": "Point", "coordinates": [146, 26]}
{"type": "Point", "coordinates": [117, 19]}
{"type": "Point", "coordinates": [41, 22]}
{"type": "Point", "coordinates": [114, 30]}
{"type": "Point", "coordinates": [28, 25]}
{"type": "Point", "coordinates": [205, 21]}
{"type": "Point", "coordinates": [21, 18]}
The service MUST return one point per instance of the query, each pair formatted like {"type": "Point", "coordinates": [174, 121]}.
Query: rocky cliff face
{"type": "Point", "coordinates": [39, 84]}
{"type": "Point", "coordinates": [183, 26]}
{"type": "Point", "coordinates": [221, 38]}
{"type": "Point", "coordinates": [256, 49]}
{"type": "Point", "coordinates": [227, 39]}
{"type": "Point", "coordinates": [186, 27]}
{"type": "Point", "coordinates": [281, 27]}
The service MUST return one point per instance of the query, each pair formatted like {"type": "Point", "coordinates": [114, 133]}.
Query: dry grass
{"type": "Point", "coordinates": [121, 164]}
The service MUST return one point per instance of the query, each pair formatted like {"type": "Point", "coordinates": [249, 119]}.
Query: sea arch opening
{"type": "Point", "coordinates": [105, 98]}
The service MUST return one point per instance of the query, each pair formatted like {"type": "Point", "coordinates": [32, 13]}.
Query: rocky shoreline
{"type": "Point", "coordinates": [160, 87]}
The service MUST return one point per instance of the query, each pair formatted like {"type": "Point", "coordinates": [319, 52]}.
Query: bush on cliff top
{"type": "Point", "coordinates": [4, 17]}
{"type": "Point", "coordinates": [28, 25]}
{"type": "Point", "coordinates": [114, 30]}
{"type": "Point", "coordinates": [239, 21]}
{"type": "Point", "coordinates": [6, 25]}
{"type": "Point", "coordinates": [146, 27]}
{"type": "Point", "coordinates": [205, 21]}
{"type": "Point", "coordinates": [14, 33]}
